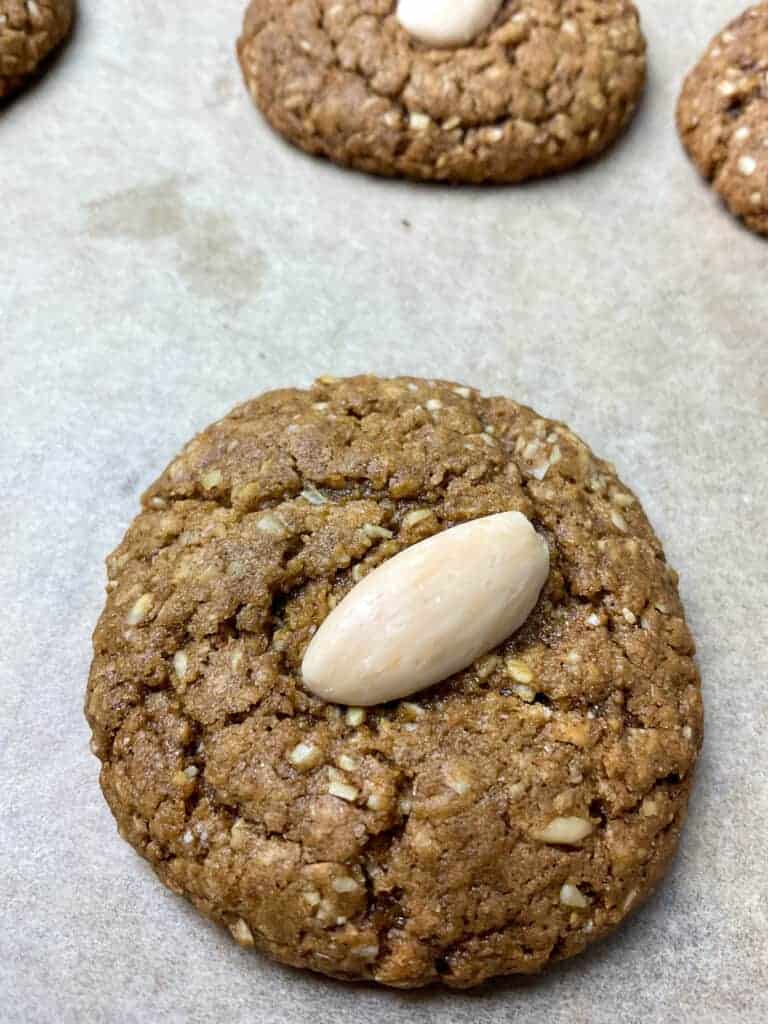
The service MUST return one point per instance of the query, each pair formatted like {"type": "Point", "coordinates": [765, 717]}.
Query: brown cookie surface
{"type": "Point", "coordinates": [722, 116]}
{"type": "Point", "coordinates": [548, 85]}
{"type": "Point", "coordinates": [418, 840]}
{"type": "Point", "coordinates": [29, 31]}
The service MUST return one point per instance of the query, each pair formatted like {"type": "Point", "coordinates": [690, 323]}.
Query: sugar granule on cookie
{"type": "Point", "coordinates": [477, 91]}
{"type": "Point", "coordinates": [488, 823]}
{"type": "Point", "coordinates": [29, 31]}
{"type": "Point", "coordinates": [722, 116]}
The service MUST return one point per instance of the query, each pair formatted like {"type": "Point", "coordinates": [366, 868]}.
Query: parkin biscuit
{"type": "Point", "coordinates": [494, 823]}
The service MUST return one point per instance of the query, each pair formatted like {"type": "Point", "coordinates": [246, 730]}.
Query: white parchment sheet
{"type": "Point", "coordinates": [165, 256]}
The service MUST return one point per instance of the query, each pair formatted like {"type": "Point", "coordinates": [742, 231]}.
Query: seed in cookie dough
{"type": "Point", "coordinates": [747, 165]}
{"type": "Point", "coordinates": [376, 532]}
{"type": "Point", "coordinates": [369, 952]}
{"type": "Point", "coordinates": [622, 499]}
{"type": "Point", "coordinates": [344, 884]}
{"type": "Point", "coordinates": [140, 609]}
{"type": "Point", "coordinates": [429, 611]}
{"type": "Point", "coordinates": [180, 663]}
{"type": "Point", "coordinates": [487, 666]}
{"type": "Point", "coordinates": [354, 716]}
{"type": "Point", "coordinates": [238, 834]}
{"type": "Point", "coordinates": [564, 831]}
{"type": "Point", "coordinates": [313, 496]}
{"type": "Point", "coordinates": [412, 711]}
{"type": "Point", "coordinates": [629, 900]}
{"type": "Point", "coordinates": [572, 896]}
{"type": "Point", "coordinates": [242, 934]}
{"type": "Point", "coordinates": [446, 23]}
{"type": "Point", "coordinates": [305, 755]}
{"type": "Point", "coordinates": [515, 790]}
{"type": "Point", "coordinates": [458, 782]}
{"type": "Point", "coordinates": [417, 515]}
{"type": "Point", "coordinates": [376, 802]}
{"type": "Point", "coordinates": [270, 523]}
{"type": "Point", "coordinates": [418, 121]}
{"type": "Point", "coordinates": [518, 670]}
{"type": "Point", "coordinates": [342, 790]}
{"type": "Point", "coordinates": [211, 479]}
{"type": "Point", "coordinates": [525, 693]}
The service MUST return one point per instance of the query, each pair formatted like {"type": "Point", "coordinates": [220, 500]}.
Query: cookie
{"type": "Point", "coordinates": [491, 824]}
{"type": "Point", "coordinates": [29, 31]}
{"type": "Point", "coordinates": [548, 84]}
{"type": "Point", "coordinates": [722, 116]}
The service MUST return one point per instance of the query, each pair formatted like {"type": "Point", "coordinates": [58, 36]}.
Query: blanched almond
{"type": "Point", "coordinates": [446, 22]}
{"type": "Point", "coordinates": [428, 612]}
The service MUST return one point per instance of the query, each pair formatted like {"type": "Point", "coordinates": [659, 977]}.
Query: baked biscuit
{"type": "Point", "coordinates": [491, 824]}
{"type": "Point", "coordinates": [548, 84]}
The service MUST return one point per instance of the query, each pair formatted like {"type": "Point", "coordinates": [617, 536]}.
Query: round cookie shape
{"type": "Point", "coordinates": [29, 31]}
{"type": "Point", "coordinates": [722, 116]}
{"type": "Point", "coordinates": [548, 84]}
{"type": "Point", "coordinates": [492, 824]}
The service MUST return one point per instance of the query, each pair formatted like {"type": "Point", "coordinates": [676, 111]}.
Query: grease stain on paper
{"type": "Point", "coordinates": [144, 213]}
{"type": "Point", "coordinates": [211, 255]}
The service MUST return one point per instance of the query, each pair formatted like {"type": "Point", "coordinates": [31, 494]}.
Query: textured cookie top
{"type": "Point", "coordinates": [29, 30]}
{"type": "Point", "coordinates": [491, 824]}
{"type": "Point", "coordinates": [550, 83]}
{"type": "Point", "coordinates": [723, 116]}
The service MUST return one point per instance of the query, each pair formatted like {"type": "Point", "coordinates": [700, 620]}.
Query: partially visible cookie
{"type": "Point", "coordinates": [722, 116]}
{"type": "Point", "coordinates": [547, 85]}
{"type": "Point", "coordinates": [29, 31]}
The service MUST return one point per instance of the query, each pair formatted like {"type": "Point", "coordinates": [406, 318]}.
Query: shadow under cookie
{"type": "Point", "coordinates": [547, 86]}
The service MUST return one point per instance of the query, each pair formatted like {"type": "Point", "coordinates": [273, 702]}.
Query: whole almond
{"type": "Point", "coordinates": [428, 612]}
{"type": "Point", "coordinates": [446, 23]}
